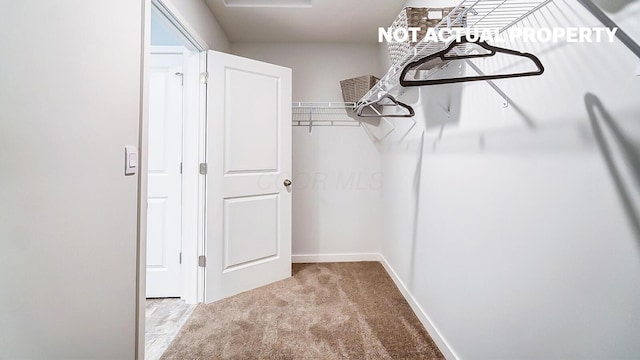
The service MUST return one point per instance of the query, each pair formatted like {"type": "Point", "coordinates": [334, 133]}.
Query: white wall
{"type": "Point", "coordinates": [200, 19]}
{"type": "Point", "coordinates": [317, 67]}
{"type": "Point", "coordinates": [162, 34]}
{"type": "Point", "coordinates": [69, 103]}
{"type": "Point", "coordinates": [518, 230]}
{"type": "Point", "coordinates": [336, 198]}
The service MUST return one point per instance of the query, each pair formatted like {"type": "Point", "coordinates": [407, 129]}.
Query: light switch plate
{"type": "Point", "coordinates": [130, 160]}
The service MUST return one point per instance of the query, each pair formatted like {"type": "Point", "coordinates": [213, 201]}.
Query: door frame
{"type": "Point", "coordinates": [191, 35]}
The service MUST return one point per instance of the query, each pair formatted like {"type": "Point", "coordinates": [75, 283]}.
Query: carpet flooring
{"type": "Point", "coordinates": [325, 311]}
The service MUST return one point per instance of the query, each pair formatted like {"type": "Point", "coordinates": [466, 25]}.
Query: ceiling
{"type": "Point", "coordinates": [336, 21]}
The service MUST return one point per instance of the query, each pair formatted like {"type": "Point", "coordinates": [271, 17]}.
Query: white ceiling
{"type": "Point", "coordinates": [341, 21]}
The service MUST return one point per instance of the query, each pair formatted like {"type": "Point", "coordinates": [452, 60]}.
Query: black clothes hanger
{"type": "Point", "coordinates": [444, 56]}
{"type": "Point", "coordinates": [379, 102]}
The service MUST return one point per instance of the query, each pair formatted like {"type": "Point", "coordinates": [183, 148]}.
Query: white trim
{"type": "Point", "coordinates": [323, 258]}
{"type": "Point", "coordinates": [143, 145]}
{"type": "Point", "coordinates": [191, 91]}
{"type": "Point", "coordinates": [420, 313]}
{"type": "Point", "coordinates": [202, 181]}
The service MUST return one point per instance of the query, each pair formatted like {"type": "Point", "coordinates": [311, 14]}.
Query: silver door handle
{"type": "Point", "coordinates": [287, 182]}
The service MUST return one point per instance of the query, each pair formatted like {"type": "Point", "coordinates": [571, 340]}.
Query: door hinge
{"type": "Point", "coordinates": [180, 258]}
{"type": "Point", "coordinates": [203, 168]}
{"type": "Point", "coordinates": [180, 168]}
{"type": "Point", "coordinates": [204, 77]}
{"type": "Point", "coordinates": [202, 261]}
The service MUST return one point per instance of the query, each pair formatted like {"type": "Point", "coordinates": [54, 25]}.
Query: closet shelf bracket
{"type": "Point", "coordinates": [505, 98]}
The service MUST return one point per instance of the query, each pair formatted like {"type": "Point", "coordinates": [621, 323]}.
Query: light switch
{"type": "Point", "coordinates": [133, 160]}
{"type": "Point", "coordinates": [130, 160]}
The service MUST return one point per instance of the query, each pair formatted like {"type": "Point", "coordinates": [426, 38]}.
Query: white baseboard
{"type": "Point", "coordinates": [421, 314]}
{"type": "Point", "coordinates": [322, 258]}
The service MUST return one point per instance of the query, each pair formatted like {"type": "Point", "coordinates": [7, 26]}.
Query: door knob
{"type": "Point", "coordinates": [287, 182]}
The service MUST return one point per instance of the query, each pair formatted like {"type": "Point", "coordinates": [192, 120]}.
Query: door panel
{"type": "Point", "coordinates": [249, 152]}
{"type": "Point", "coordinates": [246, 244]}
{"type": "Point", "coordinates": [164, 179]}
{"type": "Point", "coordinates": [156, 243]}
{"type": "Point", "coordinates": [251, 145]}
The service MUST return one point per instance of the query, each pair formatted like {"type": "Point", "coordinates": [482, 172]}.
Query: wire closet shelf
{"type": "Point", "coordinates": [312, 114]}
{"type": "Point", "coordinates": [474, 14]}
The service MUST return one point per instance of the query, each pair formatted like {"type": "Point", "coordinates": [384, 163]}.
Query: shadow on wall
{"type": "Point", "coordinates": [598, 8]}
{"type": "Point", "coordinates": [417, 181]}
{"type": "Point", "coordinates": [600, 119]}
{"type": "Point", "coordinates": [442, 107]}
{"type": "Point", "coordinates": [612, 6]}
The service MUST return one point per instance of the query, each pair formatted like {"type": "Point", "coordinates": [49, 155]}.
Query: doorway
{"type": "Point", "coordinates": [218, 214]}
{"type": "Point", "coordinates": [173, 190]}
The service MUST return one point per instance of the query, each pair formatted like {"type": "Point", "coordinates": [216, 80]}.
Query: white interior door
{"type": "Point", "coordinates": [164, 187]}
{"type": "Point", "coordinates": [248, 241]}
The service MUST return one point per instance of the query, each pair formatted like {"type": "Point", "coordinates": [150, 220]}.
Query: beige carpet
{"type": "Point", "coordinates": [325, 311]}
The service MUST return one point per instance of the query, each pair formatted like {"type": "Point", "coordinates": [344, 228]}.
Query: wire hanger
{"type": "Point", "coordinates": [379, 102]}
{"type": "Point", "coordinates": [444, 56]}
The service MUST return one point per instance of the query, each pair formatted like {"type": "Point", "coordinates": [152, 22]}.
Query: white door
{"type": "Point", "coordinates": [164, 186]}
{"type": "Point", "coordinates": [248, 241]}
